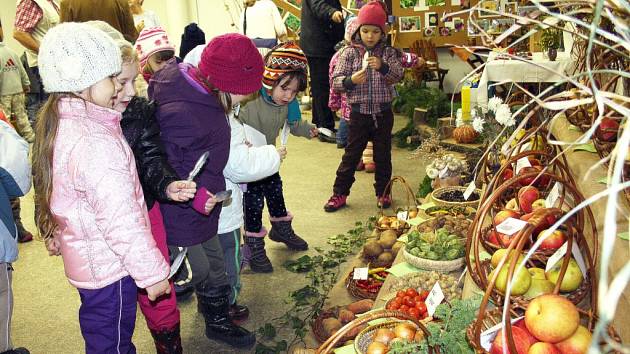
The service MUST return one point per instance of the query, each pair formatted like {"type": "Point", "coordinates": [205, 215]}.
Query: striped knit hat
{"type": "Point", "coordinates": [282, 59]}
{"type": "Point", "coordinates": [150, 41]}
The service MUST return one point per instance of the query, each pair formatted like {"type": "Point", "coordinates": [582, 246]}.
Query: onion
{"type": "Point", "coordinates": [377, 348]}
{"type": "Point", "coordinates": [419, 336]}
{"type": "Point", "coordinates": [384, 335]}
{"type": "Point", "coordinates": [405, 331]}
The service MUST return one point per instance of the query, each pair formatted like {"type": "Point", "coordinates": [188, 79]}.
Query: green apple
{"type": "Point", "coordinates": [537, 273]}
{"type": "Point", "coordinates": [539, 287]}
{"type": "Point", "coordinates": [500, 253]}
{"type": "Point", "coordinates": [520, 281]}
{"type": "Point", "coordinates": [572, 277]}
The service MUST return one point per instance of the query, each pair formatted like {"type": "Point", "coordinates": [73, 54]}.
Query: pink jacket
{"type": "Point", "coordinates": [97, 201]}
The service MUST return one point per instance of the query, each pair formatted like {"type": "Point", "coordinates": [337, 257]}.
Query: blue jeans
{"type": "Point", "coordinates": [342, 132]}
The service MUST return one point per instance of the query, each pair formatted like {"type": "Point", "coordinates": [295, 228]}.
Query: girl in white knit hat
{"type": "Point", "coordinates": [93, 211]}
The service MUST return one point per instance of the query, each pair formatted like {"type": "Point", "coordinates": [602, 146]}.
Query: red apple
{"type": "Point", "coordinates": [522, 342]}
{"type": "Point", "coordinates": [503, 215]}
{"type": "Point", "coordinates": [551, 318]}
{"type": "Point", "coordinates": [526, 197]}
{"type": "Point", "coordinates": [538, 181]}
{"type": "Point", "coordinates": [543, 225]}
{"type": "Point", "coordinates": [578, 343]}
{"type": "Point", "coordinates": [493, 237]}
{"type": "Point", "coordinates": [607, 130]}
{"type": "Point", "coordinates": [521, 324]}
{"type": "Point", "coordinates": [507, 174]}
{"type": "Point", "coordinates": [553, 240]}
{"type": "Point", "coordinates": [543, 348]}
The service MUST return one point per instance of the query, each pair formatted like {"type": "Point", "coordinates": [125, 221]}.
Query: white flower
{"type": "Point", "coordinates": [503, 115]}
{"type": "Point", "coordinates": [493, 103]}
{"type": "Point", "coordinates": [477, 124]}
{"type": "Point", "coordinates": [432, 173]}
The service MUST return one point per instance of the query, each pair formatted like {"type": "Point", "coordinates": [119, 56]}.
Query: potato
{"type": "Point", "coordinates": [361, 306]}
{"type": "Point", "coordinates": [372, 249]}
{"type": "Point", "coordinates": [346, 316]}
{"type": "Point", "coordinates": [331, 325]}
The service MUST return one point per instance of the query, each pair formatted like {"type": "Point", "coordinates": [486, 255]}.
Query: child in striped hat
{"type": "Point", "coordinates": [274, 108]}
{"type": "Point", "coordinates": [154, 50]}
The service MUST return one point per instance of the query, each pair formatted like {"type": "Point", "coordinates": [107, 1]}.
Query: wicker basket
{"type": "Point", "coordinates": [358, 292]}
{"type": "Point", "coordinates": [365, 337]}
{"type": "Point", "coordinates": [428, 264]}
{"type": "Point", "coordinates": [318, 325]}
{"type": "Point", "coordinates": [330, 344]}
{"type": "Point", "coordinates": [412, 203]}
{"type": "Point", "coordinates": [437, 194]}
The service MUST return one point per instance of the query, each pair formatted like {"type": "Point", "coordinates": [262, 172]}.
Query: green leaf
{"type": "Point", "coordinates": [268, 331]}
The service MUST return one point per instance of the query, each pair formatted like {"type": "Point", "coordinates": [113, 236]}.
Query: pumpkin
{"type": "Point", "coordinates": [465, 134]}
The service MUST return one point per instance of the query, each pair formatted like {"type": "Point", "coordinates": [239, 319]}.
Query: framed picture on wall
{"type": "Point", "coordinates": [436, 2]}
{"type": "Point", "coordinates": [430, 19]}
{"type": "Point", "coordinates": [292, 22]}
{"type": "Point", "coordinates": [488, 5]}
{"type": "Point", "coordinates": [408, 4]}
{"type": "Point", "coordinates": [511, 8]}
{"type": "Point", "coordinates": [410, 24]}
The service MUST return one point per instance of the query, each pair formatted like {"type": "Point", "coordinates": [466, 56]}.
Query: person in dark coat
{"type": "Point", "coordinates": [322, 28]}
{"type": "Point", "coordinates": [192, 37]}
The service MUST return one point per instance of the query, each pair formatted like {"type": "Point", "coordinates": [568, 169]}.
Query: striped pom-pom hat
{"type": "Point", "coordinates": [152, 40]}
{"type": "Point", "coordinates": [283, 58]}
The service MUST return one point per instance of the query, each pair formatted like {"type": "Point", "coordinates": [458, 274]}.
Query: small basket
{"type": "Point", "coordinates": [318, 325]}
{"type": "Point", "coordinates": [357, 292]}
{"type": "Point", "coordinates": [412, 203]}
{"type": "Point", "coordinates": [437, 194]}
{"type": "Point", "coordinates": [365, 337]}
{"type": "Point", "coordinates": [429, 264]}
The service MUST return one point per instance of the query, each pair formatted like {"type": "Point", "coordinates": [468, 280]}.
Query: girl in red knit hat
{"type": "Point", "coordinates": [366, 72]}
{"type": "Point", "coordinates": [274, 109]}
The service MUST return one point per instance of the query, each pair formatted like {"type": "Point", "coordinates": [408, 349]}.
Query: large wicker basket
{"type": "Point", "coordinates": [438, 194]}
{"type": "Point", "coordinates": [438, 266]}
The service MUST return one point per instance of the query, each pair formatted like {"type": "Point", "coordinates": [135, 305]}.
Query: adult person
{"type": "Point", "coordinates": [33, 18]}
{"type": "Point", "coordinates": [261, 21]}
{"type": "Point", "coordinates": [322, 29]}
{"type": "Point", "coordinates": [143, 18]}
{"type": "Point", "coordinates": [114, 12]}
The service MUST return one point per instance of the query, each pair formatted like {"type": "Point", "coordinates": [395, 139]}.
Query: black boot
{"type": "Point", "coordinates": [168, 341]}
{"type": "Point", "coordinates": [23, 234]}
{"type": "Point", "coordinates": [258, 260]}
{"type": "Point", "coordinates": [239, 313]}
{"type": "Point", "coordinates": [19, 350]}
{"type": "Point", "coordinates": [219, 326]}
{"type": "Point", "coordinates": [282, 231]}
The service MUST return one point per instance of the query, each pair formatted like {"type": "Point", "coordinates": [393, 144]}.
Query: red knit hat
{"type": "Point", "coordinates": [374, 14]}
{"type": "Point", "coordinates": [232, 64]}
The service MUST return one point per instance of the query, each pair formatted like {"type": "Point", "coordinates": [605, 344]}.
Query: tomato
{"type": "Point", "coordinates": [394, 305]}
{"type": "Point", "coordinates": [401, 294]}
{"type": "Point", "coordinates": [397, 301]}
{"type": "Point", "coordinates": [408, 300]}
{"type": "Point", "coordinates": [417, 299]}
{"type": "Point", "coordinates": [412, 292]}
{"type": "Point", "coordinates": [413, 312]}
{"type": "Point", "coordinates": [424, 294]}
{"type": "Point", "coordinates": [421, 306]}
{"type": "Point", "coordinates": [404, 308]}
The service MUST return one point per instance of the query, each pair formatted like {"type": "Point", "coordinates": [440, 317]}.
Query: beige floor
{"type": "Point", "coordinates": [46, 306]}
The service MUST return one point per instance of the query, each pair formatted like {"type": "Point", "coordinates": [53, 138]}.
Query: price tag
{"type": "Point", "coordinates": [553, 196]}
{"type": "Point", "coordinates": [522, 162]}
{"type": "Point", "coordinates": [469, 190]}
{"type": "Point", "coordinates": [487, 336]}
{"type": "Point", "coordinates": [575, 252]}
{"type": "Point", "coordinates": [284, 137]}
{"type": "Point", "coordinates": [402, 215]}
{"type": "Point", "coordinates": [510, 226]}
{"type": "Point", "coordinates": [436, 296]}
{"type": "Point", "coordinates": [360, 274]}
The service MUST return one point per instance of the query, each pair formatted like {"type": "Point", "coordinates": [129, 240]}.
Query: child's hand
{"type": "Point", "coordinates": [181, 191]}
{"type": "Point", "coordinates": [210, 203]}
{"type": "Point", "coordinates": [158, 289]}
{"type": "Point", "coordinates": [282, 151]}
{"type": "Point", "coordinates": [374, 63]}
{"type": "Point", "coordinates": [359, 77]}
{"type": "Point", "coordinates": [337, 16]}
{"type": "Point", "coordinates": [53, 246]}
{"type": "Point", "coordinates": [314, 132]}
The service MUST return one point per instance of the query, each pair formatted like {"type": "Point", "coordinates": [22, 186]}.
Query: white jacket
{"type": "Point", "coordinates": [245, 164]}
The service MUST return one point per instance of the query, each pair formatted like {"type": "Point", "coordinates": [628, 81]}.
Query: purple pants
{"type": "Point", "coordinates": [108, 317]}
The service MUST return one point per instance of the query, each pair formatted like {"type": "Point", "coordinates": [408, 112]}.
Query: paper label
{"type": "Point", "coordinates": [553, 196]}
{"type": "Point", "coordinates": [436, 296]}
{"type": "Point", "coordinates": [557, 257]}
{"type": "Point", "coordinates": [522, 162]}
{"type": "Point", "coordinates": [487, 336]}
{"type": "Point", "coordinates": [416, 221]}
{"type": "Point", "coordinates": [510, 226]}
{"type": "Point", "coordinates": [402, 215]}
{"type": "Point", "coordinates": [284, 137]}
{"type": "Point", "coordinates": [469, 190]}
{"type": "Point", "coordinates": [360, 274]}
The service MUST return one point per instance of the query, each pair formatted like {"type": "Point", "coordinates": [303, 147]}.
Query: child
{"type": "Point", "coordinates": [154, 50]}
{"type": "Point", "coordinates": [367, 84]}
{"type": "Point", "coordinates": [285, 76]}
{"type": "Point", "coordinates": [193, 104]}
{"type": "Point", "coordinates": [159, 182]}
{"type": "Point", "coordinates": [15, 181]}
{"type": "Point", "coordinates": [14, 84]}
{"type": "Point", "coordinates": [92, 209]}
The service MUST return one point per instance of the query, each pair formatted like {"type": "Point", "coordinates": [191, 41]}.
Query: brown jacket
{"type": "Point", "coordinates": [114, 12]}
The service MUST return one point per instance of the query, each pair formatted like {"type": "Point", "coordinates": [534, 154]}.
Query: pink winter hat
{"type": "Point", "coordinates": [374, 14]}
{"type": "Point", "coordinates": [232, 64]}
{"type": "Point", "coordinates": [150, 41]}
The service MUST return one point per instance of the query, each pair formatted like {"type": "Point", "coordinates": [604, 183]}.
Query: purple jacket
{"type": "Point", "coordinates": [191, 122]}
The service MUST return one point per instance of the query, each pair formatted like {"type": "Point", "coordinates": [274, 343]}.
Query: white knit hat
{"type": "Point", "coordinates": [110, 31]}
{"type": "Point", "coordinates": [75, 56]}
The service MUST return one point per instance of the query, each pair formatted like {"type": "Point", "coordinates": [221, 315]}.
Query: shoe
{"type": "Point", "coordinates": [183, 292]}
{"type": "Point", "coordinates": [282, 231]}
{"type": "Point", "coordinates": [341, 145]}
{"type": "Point", "coordinates": [258, 260]}
{"type": "Point", "coordinates": [384, 202]}
{"type": "Point", "coordinates": [19, 350]}
{"type": "Point", "coordinates": [370, 167]}
{"type": "Point", "coordinates": [335, 203]}
{"type": "Point", "coordinates": [360, 166]}
{"type": "Point", "coordinates": [167, 341]}
{"type": "Point", "coordinates": [25, 237]}
{"type": "Point", "coordinates": [327, 139]}
{"type": "Point", "coordinates": [239, 313]}
{"type": "Point", "coordinates": [219, 326]}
